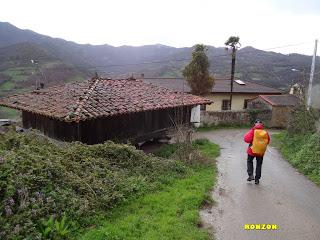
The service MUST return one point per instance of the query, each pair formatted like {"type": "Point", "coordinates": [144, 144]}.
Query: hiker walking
{"type": "Point", "coordinates": [258, 139]}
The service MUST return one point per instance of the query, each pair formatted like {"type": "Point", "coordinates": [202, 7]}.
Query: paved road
{"type": "Point", "coordinates": [284, 197]}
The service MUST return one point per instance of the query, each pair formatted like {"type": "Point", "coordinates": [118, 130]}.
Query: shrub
{"type": "Point", "coordinates": [302, 151]}
{"type": "Point", "coordinates": [308, 157]}
{"type": "Point", "coordinates": [39, 179]}
{"type": "Point", "coordinates": [302, 121]}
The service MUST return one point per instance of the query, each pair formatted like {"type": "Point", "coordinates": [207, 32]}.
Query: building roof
{"type": "Point", "coordinates": [220, 86]}
{"type": "Point", "coordinates": [99, 98]}
{"type": "Point", "coordinates": [281, 100]}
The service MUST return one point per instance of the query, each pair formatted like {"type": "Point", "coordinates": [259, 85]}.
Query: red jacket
{"type": "Point", "coordinates": [248, 138]}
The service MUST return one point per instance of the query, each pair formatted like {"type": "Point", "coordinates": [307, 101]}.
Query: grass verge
{"type": "Point", "coordinates": [170, 213]}
{"type": "Point", "coordinates": [302, 151]}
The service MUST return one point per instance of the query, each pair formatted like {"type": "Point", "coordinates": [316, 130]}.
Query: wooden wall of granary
{"type": "Point", "coordinates": [133, 127]}
{"type": "Point", "coordinates": [51, 127]}
{"type": "Point", "coordinates": [127, 127]}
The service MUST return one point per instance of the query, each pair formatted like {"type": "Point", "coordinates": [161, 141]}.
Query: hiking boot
{"type": "Point", "coordinates": [250, 178]}
{"type": "Point", "coordinates": [256, 181]}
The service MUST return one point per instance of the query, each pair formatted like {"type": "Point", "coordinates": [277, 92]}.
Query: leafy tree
{"type": "Point", "coordinates": [197, 71]}
{"type": "Point", "coordinates": [233, 42]}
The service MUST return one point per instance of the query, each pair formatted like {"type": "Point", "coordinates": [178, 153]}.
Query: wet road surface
{"type": "Point", "coordinates": [284, 196]}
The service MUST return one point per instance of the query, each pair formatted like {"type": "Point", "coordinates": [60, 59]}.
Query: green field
{"type": "Point", "coordinates": [18, 78]}
{"type": "Point", "coordinates": [9, 113]}
{"type": "Point", "coordinates": [18, 74]}
{"type": "Point", "coordinates": [75, 78]}
{"type": "Point", "coordinates": [7, 85]}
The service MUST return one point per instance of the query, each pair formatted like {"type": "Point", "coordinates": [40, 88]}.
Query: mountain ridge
{"type": "Point", "coordinates": [158, 60]}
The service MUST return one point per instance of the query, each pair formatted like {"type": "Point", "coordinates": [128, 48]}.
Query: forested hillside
{"type": "Point", "coordinates": [58, 60]}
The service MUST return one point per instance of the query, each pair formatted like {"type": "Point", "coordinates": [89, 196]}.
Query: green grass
{"type": "Point", "coordinates": [302, 151]}
{"type": "Point", "coordinates": [75, 78]}
{"type": "Point", "coordinates": [9, 113]}
{"type": "Point", "coordinates": [51, 64]}
{"type": "Point", "coordinates": [7, 85]}
{"type": "Point", "coordinates": [170, 213]}
{"type": "Point", "coordinates": [18, 74]}
{"type": "Point", "coordinates": [277, 139]}
{"type": "Point", "coordinates": [166, 150]}
{"type": "Point", "coordinates": [79, 181]}
{"type": "Point", "coordinates": [103, 189]}
{"type": "Point", "coordinates": [211, 127]}
{"type": "Point", "coordinates": [209, 149]}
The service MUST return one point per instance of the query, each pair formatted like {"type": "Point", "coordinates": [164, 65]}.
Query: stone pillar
{"type": "Point", "coordinates": [195, 116]}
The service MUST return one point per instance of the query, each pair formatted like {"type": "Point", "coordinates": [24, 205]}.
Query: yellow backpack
{"type": "Point", "coordinates": [260, 141]}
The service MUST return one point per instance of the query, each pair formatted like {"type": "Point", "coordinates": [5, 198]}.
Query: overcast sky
{"type": "Point", "coordinates": [180, 23]}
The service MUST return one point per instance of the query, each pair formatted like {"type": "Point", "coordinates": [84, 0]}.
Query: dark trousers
{"type": "Point", "coordinates": [258, 166]}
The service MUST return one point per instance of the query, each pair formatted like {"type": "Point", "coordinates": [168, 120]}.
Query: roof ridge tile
{"type": "Point", "coordinates": [82, 100]}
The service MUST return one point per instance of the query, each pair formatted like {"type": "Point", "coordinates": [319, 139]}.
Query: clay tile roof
{"type": "Point", "coordinates": [281, 100]}
{"type": "Point", "coordinates": [99, 98]}
{"type": "Point", "coordinates": [222, 85]}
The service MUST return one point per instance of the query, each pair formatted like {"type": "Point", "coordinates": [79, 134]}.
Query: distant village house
{"type": "Point", "coordinates": [279, 106]}
{"type": "Point", "coordinates": [243, 91]}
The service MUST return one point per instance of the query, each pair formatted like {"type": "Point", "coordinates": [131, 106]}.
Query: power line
{"type": "Point", "coordinates": [317, 73]}
{"type": "Point", "coordinates": [284, 46]}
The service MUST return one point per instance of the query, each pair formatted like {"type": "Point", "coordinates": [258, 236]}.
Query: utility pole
{"type": "Point", "coordinates": [313, 65]}
{"type": "Point", "coordinates": [35, 63]}
{"type": "Point", "coordinates": [233, 44]}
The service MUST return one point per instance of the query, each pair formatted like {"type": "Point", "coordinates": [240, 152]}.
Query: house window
{"type": "Point", "coordinates": [245, 103]}
{"type": "Point", "coordinates": [203, 107]}
{"type": "Point", "coordinates": [225, 104]}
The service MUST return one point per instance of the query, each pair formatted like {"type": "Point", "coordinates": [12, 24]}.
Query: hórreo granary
{"type": "Point", "coordinates": [100, 109]}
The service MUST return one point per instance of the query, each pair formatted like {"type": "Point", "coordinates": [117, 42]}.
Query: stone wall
{"type": "Point", "coordinates": [259, 109]}
{"type": "Point", "coordinates": [243, 117]}
{"type": "Point", "coordinates": [224, 117]}
{"type": "Point", "coordinates": [280, 116]}
{"type": "Point", "coordinates": [265, 115]}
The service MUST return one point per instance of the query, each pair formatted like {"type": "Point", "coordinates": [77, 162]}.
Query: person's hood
{"type": "Point", "coordinates": [258, 126]}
